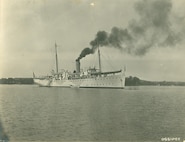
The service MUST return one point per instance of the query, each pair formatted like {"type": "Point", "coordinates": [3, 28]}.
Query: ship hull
{"type": "Point", "coordinates": [112, 81]}
{"type": "Point", "coordinates": [42, 82]}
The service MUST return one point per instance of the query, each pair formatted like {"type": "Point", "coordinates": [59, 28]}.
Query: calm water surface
{"type": "Point", "coordinates": [31, 113]}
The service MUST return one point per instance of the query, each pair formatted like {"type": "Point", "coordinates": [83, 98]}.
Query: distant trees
{"type": "Point", "coordinates": [16, 81]}
{"type": "Point", "coordinates": [132, 81]}
{"type": "Point", "coordinates": [135, 81]}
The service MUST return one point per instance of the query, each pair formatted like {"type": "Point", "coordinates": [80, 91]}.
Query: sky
{"type": "Point", "coordinates": [146, 36]}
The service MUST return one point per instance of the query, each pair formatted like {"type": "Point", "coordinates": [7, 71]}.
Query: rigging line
{"type": "Point", "coordinates": [107, 60]}
{"type": "Point", "coordinates": [94, 60]}
{"type": "Point", "coordinates": [51, 58]}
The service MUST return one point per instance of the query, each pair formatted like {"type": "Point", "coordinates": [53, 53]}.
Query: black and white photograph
{"type": "Point", "coordinates": [92, 70]}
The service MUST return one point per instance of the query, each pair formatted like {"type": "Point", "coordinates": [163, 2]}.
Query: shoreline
{"type": "Point", "coordinates": [129, 81]}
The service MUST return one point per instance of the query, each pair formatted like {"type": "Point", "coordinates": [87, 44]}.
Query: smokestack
{"type": "Point", "coordinates": [78, 66]}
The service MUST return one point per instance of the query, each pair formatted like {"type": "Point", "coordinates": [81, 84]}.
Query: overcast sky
{"type": "Point", "coordinates": [29, 29]}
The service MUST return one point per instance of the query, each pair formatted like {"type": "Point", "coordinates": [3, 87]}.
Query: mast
{"type": "Point", "coordinates": [56, 58]}
{"type": "Point", "coordinates": [99, 59]}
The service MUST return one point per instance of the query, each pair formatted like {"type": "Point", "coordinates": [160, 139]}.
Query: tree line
{"type": "Point", "coordinates": [16, 81]}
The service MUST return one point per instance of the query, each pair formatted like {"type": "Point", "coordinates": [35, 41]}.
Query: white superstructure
{"type": "Point", "coordinates": [92, 78]}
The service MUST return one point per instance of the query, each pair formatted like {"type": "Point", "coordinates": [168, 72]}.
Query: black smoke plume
{"type": "Point", "coordinates": [85, 52]}
{"type": "Point", "coordinates": [100, 40]}
{"type": "Point", "coordinates": [153, 28]}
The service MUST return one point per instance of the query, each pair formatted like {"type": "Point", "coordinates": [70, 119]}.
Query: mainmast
{"type": "Point", "coordinates": [56, 58]}
{"type": "Point", "coordinates": [99, 59]}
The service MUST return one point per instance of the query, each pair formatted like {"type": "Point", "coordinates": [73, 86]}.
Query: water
{"type": "Point", "coordinates": [31, 113]}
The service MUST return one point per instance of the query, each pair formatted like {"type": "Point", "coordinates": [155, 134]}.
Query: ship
{"type": "Point", "coordinates": [90, 78]}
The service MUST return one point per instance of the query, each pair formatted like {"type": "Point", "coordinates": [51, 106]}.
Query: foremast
{"type": "Point", "coordinates": [56, 57]}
